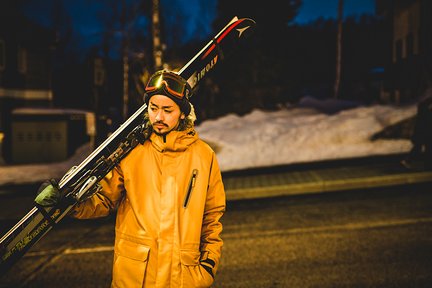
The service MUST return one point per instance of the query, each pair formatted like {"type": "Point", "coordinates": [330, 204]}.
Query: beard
{"type": "Point", "coordinates": [161, 133]}
{"type": "Point", "coordinates": [157, 130]}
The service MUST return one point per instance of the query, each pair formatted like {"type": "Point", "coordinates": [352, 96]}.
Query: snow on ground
{"type": "Point", "coordinates": [297, 135]}
{"type": "Point", "coordinates": [34, 173]}
{"type": "Point", "coordinates": [259, 139]}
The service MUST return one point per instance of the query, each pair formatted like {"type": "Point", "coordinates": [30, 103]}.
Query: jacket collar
{"type": "Point", "coordinates": [175, 141]}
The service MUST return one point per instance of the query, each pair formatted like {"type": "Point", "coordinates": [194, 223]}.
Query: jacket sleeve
{"type": "Point", "coordinates": [105, 200]}
{"type": "Point", "coordinates": [211, 242]}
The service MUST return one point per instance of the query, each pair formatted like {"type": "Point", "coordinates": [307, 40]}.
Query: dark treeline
{"type": "Point", "coordinates": [281, 62]}
{"type": "Point", "coordinates": [284, 62]}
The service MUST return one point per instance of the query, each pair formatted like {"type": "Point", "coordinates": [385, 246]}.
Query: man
{"type": "Point", "coordinates": [169, 198]}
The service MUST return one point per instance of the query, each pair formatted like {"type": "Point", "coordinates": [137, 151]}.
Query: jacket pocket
{"type": "Point", "coordinates": [193, 274]}
{"type": "Point", "coordinates": [130, 264]}
{"type": "Point", "coordinates": [191, 185]}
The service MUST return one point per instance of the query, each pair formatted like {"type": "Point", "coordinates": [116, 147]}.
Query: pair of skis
{"type": "Point", "coordinates": [81, 181]}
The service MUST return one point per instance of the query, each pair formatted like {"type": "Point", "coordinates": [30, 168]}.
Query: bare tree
{"type": "Point", "coordinates": [338, 50]}
{"type": "Point", "coordinates": [157, 45]}
{"type": "Point", "coordinates": [125, 58]}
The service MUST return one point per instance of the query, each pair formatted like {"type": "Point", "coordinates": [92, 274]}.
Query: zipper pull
{"type": "Point", "coordinates": [194, 175]}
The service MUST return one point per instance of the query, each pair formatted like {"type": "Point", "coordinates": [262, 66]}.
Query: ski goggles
{"type": "Point", "coordinates": [174, 84]}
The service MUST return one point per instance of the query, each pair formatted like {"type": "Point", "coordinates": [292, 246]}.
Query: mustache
{"type": "Point", "coordinates": [159, 123]}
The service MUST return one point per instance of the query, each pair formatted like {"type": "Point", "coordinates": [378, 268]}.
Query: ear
{"type": "Point", "coordinates": [182, 116]}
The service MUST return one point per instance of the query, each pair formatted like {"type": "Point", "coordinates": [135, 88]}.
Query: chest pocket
{"type": "Point", "coordinates": [190, 187]}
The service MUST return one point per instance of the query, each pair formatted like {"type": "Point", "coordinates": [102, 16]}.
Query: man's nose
{"type": "Point", "coordinates": [159, 115]}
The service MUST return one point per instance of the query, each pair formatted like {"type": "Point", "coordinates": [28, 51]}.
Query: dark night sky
{"type": "Point", "coordinates": [197, 13]}
{"type": "Point", "coordinates": [313, 9]}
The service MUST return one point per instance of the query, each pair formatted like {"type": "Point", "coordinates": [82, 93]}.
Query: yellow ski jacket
{"type": "Point", "coordinates": [169, 198]}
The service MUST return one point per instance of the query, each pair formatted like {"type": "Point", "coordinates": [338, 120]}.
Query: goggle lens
{"type": "Point", "coordinates": [173, 85]}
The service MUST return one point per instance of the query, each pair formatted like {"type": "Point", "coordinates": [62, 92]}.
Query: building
{"type": "Point", "coordinates": [409, 65]}
{"type": "Point", "coordinates": [25, 52]}
{"type": "Point", "coordinates": [25, 73]}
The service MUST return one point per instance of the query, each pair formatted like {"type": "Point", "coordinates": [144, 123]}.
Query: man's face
{"type": "Point", "coordinates": [164, 114]}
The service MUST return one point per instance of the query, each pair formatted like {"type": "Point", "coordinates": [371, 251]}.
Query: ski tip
{"type": "Point", "coordinates": [248, 19]}
{"type": "Point", "coordinates": [245, 26]}
{"type": "Point", "coordinates": [247, 23]}
{"type": "Point", "coordinates": [245, 20]}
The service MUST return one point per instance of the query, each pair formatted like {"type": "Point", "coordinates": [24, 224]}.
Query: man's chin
{"type": "Point", "coordinates": [161, 132]}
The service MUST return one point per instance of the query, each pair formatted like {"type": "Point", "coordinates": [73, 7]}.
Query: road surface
{"type": "Point", "coordinates": [358, 238]}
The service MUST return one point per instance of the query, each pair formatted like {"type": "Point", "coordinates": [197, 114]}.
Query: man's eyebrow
{"type": "Point", "coordinates": [163, 107]}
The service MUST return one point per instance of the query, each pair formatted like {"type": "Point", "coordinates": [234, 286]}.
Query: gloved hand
{"type": "Point", "coordinates": [48, 193]}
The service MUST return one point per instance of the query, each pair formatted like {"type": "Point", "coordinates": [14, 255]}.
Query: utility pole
{"type": "Point", "coordinates": [338, 50]}
{"type": "Point", "coordinates": [157, 45]}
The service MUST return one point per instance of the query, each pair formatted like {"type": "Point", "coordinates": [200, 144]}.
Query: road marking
{"type": "Point", "coordinates": [89, 250]}
{"type": "Point", "coordinates": [330, 229]}
{"type": "Point", "coordinates": [70, 251]}
{"type": "Point", "coordinates": [308, 230]}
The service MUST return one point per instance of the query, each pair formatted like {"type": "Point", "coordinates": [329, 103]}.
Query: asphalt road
{"type": "Point", "coordinates": [358, 238]}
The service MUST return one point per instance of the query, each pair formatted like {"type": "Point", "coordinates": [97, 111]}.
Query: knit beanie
{"type": "Point", "coordinates": [162, 89]}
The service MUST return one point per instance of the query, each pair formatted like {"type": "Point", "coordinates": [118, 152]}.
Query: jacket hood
{"type": "Point", "coordinates": [174, 141]}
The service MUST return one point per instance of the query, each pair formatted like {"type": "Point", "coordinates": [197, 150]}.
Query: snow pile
{"type": "Point", "coordinates": [259, 139]}
{"type": "Point", "coordinates": [302, 135]}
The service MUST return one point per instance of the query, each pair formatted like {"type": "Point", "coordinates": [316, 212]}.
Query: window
{"type": "Point", "coordinates": [409, 45]}
{"type": "Point", "coordinates": [398, 50]}
{"type": "Point", "coordinates": [99, 72]}
{"type": "Point", "coordinates": [22, 60]}
{"type": "Point", "coordinates": [2, 55]}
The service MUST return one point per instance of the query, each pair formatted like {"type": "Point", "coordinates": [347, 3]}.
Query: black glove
{"type": "Point", "coordinates": [48, 194]}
